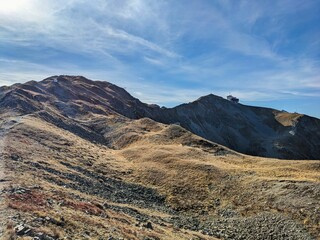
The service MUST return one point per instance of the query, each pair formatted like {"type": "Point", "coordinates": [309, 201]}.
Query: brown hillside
{"type": "Point", "coordinates": [157, 175]}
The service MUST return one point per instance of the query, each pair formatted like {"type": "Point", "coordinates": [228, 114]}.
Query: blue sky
{"type": "Point", "coordinates": [265, 52]}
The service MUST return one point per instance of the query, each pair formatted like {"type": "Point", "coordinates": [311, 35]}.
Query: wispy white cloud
{"type": "Point", "coordinates": [55, 26]}
{"type": "Point", "coordinates": [167, 51]}
{"type": "Point", "coordinates": [120, 35]}
{"type": "Point", "coordinates": [154, 61]}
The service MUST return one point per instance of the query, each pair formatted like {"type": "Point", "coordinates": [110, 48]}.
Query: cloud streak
{"type": "Point", "coordinates": [168, 52]}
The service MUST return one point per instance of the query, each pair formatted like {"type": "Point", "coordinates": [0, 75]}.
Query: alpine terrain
{"type": "Point", "coordinates": [83, 159]}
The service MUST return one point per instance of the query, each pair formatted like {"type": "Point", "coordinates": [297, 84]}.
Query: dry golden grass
{"type": "Point", "coordinates": [287, 119]}
{"type": "Point", "coordinates": [156, 156]}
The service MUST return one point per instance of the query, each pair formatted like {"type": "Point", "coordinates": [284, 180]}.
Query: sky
{"type": "Point", "coordinates": [267, 53]}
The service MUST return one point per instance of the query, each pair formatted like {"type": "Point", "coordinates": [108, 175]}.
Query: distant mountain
{"type": "Point", "coordinates": [251, 130]}
{"type": "Point", "coordinates": [75, 103]}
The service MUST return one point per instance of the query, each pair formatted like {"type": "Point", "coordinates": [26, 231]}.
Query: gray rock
{"type": "Point", "coordinates": [148, 225]}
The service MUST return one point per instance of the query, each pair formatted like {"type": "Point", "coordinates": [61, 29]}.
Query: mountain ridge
{"type": "Point", "coordinates": [247, 129]}
{"type": "Point", "coordinates": [82, 160]}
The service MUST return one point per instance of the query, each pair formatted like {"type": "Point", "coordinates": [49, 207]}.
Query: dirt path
{"type": "Point", "coordinates": [5, 127]}
{"type": "Point", "coordinates": [3, 214]}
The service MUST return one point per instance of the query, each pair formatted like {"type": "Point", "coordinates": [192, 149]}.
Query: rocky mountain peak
{"type": "Point", "coordinates": [246, 129]}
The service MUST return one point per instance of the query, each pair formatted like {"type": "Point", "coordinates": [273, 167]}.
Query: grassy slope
{"type": "Point", "coordinates": [195, 180]}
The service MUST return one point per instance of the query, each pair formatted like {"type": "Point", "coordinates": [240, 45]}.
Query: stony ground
{"type": "Point", "coordinates": [5, 177]}
{"type": "Point", "coordinates": [2, 182]}
{"type": "Point", "coordinates": [160, 182]}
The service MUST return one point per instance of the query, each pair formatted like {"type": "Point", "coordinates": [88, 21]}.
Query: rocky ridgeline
{"type": "Point", "coordinates": [63, 100]}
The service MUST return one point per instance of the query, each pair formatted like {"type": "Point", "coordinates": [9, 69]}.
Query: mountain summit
{"type": "Point", "coordinates": [251, 130]}
{"type": "Point", "coordinates": [82, 159]}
